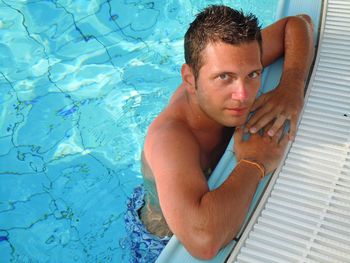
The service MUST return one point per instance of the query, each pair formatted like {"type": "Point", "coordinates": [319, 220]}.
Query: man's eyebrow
{"type": "Point", "coordinates": [234, 73]}
{"type": "Point", "coordinates": [258, 69]}
{"type": "Point", "coordinates": [227, 72]}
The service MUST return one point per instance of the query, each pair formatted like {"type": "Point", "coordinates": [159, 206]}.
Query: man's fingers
{"type": "Point", "coordinates": [277, 125]}
{"type": "Point", "coordinates": [261, 122]}
{"type": "Point", "coordinates": [258, 102]}
{"type": "Point", "coordinates": [268, 127]}
{"type": "Point", "coordinates": [278, 134]}
{"type": "Point", "coordinates": [257, 118]}
{"type": "Point", "coordinates": [238, 134]}
{"type": "Point", "coordinates": [293, 127]}
{"type": "Point", "coordinates": [284, 141]}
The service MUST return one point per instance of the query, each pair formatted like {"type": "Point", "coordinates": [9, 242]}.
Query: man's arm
{"type": "Point", "coordinates": [203, 220]}
{"type": "Point", "coordinates": [293, 37]}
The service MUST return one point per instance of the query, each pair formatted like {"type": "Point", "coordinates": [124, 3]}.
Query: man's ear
{"type": "Point", "coordinates": [188, 78]}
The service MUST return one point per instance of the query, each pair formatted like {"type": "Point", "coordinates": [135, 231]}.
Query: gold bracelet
{"type": "Point", "coordinates": [260, 166]}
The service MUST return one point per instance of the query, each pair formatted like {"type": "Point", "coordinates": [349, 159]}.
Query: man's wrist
{"type": "Point", "coordinates": [294, 77]}
{"type": "Point", "coordinates": [253, 163]}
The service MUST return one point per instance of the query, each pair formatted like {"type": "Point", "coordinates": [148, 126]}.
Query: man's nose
{"type": "Point", "coordinates": [240, 91]}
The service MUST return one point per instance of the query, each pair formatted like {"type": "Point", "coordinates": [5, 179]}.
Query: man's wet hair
{"type": "Point", "coordinates": [219, 23]}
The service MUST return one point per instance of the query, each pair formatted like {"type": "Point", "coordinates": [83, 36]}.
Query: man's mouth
{"type": "Point", "coordinates": [237, 111]}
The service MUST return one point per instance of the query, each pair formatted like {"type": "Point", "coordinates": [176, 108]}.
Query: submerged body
{"type": "Point", "coordinates": [151, 214]}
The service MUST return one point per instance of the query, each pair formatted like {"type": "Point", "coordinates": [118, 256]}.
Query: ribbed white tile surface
{"type": "Point", "coordinates": [306, 216]}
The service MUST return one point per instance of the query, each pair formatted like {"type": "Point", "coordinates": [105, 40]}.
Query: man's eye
{"type": "Point", "coordinates": [223, 76]}
{"type": "Point", "coordinates": [253, 75]}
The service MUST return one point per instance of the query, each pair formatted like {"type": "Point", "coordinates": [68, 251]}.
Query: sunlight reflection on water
{"type": "Point", "coordinates": [80, 83]}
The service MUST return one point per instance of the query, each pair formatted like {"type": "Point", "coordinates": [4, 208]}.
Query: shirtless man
{"type": "Point", "coordinates": [224, 60]}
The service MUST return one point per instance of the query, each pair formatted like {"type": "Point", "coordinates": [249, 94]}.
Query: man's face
{"type": "Point", "coordinates": [228, 81]}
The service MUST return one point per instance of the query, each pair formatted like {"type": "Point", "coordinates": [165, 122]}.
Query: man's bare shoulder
{"type": "Point", "coordinates": [170, 136]}
{"type": "Point", "coordinates": [170, 131]}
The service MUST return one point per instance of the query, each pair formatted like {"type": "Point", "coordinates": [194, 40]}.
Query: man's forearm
{"type": "Point", "coordinates": [299, 49]}
{"type": "Point", "coordinates": [233, 199]}
{"type": "Point", "coordinates": [221, 212]}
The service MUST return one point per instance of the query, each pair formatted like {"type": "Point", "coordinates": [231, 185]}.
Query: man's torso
{"type": "Point", "coordinates": [211, 150]}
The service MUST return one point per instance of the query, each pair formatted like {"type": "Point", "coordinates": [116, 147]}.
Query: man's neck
{"type": "Point", "coordinates": [198, 119]}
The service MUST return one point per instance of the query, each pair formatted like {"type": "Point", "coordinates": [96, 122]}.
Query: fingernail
{"type": "Point", "coordinates": [253, 130]}
{"type": "Point", "coordinates": [271, 133]}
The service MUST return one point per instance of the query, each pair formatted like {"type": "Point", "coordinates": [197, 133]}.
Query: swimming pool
{"type": "Point", "coordinates": [80, 83]}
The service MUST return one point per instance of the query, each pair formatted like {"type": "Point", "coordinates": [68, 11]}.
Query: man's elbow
{"type": "Point", "coordinates": [205, 238]}
{"type": "Point", "coordinates": [308, 20]}
{"type": "Point", "coordinates": [206, 243]}
{"type": "Point", "coordinates": [204, 246]}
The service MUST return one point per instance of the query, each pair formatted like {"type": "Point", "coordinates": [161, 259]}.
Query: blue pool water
{"type": "Point", "coordinates": [80, 81]}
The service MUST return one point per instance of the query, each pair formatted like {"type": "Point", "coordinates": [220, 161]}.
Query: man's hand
{"type": "Point", "coordinates": [281, 104]}
{"type": "Point", "coordinates": [261, 148]}
{"type": "Point", "coordinates": [293, 38]}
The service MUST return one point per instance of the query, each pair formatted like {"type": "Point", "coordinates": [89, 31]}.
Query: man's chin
{"type": "Point", "coordinates": [236, 122]}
